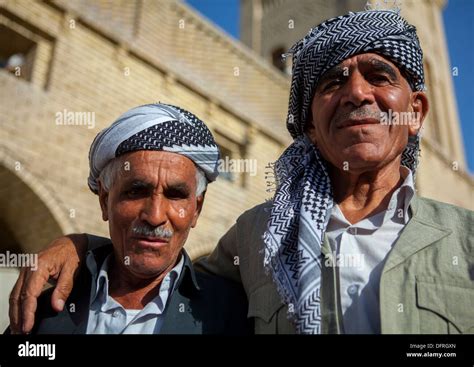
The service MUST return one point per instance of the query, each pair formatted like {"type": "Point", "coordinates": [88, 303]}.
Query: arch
{"type": "Point", "coordinates": [30, 216]}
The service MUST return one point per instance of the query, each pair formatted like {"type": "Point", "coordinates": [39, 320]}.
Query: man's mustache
{"type": "Point", "coordinates": [145, 230]}
{"type": "Point", "coordinates": [363, 112]}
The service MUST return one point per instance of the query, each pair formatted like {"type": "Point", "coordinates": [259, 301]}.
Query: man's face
{"type": "Point", "coordinates": [346, 113]}
{"type": "Point", "coordinates": [153, 190]}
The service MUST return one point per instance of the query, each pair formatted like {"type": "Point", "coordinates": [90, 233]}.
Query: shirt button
{"type": "Point", "coordinates": [352, 230]}
{"type": "Point", "coordinates": [116, 313]}
{"type": "Point", "coordinates": [353, 289]}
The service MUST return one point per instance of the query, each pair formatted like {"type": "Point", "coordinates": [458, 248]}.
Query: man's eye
{"type": "Point", "coordinates": [135, 192]}
{"type": "Point", "coordinates": [378, 78]}
{"type": "Point", "coordinates": [332, 84]}
{"type": "Point", "coordinates": [175, 194]}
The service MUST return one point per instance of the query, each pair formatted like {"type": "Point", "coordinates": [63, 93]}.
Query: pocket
{"type": "Point", "coordinates": [446, 305]}
{"type": "Point", "coordinates": [264, 306]}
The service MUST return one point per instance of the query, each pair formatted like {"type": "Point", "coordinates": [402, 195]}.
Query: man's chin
{"type": "Point", "coordinates": [359, 158]}
{"type": "Point", "coordinates": [142, 272]}
{"type": "Point", "coordinates": [146, 268]}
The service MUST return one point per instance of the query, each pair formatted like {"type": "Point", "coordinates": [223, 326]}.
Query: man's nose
{"type": "Point", "coordinates": [154, 211]}
{"type": "Point", "coordinates": [357, 91]}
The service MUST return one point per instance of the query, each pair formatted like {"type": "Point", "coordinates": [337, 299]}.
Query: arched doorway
{"type": "Point", "coordinates": [29, 219]}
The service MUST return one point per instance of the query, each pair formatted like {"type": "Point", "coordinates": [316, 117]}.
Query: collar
{"type": "Point", "coordinates": [398, 208]}
{"type": "Point", "coordinates": [100, 294]}
{"type": "Point", "coordinates": [187, 279]}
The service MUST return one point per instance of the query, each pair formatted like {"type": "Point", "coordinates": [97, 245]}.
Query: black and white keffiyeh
{"type": "Point", "coordinates": [302, 203]}
{"type": "Point", "coordinates": [155, 127]}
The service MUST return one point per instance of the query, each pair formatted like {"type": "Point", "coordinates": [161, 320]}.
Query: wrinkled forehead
{"type": "Point", "coordinates": [156, 164]}
{"type": "Point", "coordinates": [364, 62]}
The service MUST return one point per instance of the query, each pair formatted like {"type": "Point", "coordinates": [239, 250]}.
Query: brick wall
{"type": "Point", "coordinates": [86, 63]}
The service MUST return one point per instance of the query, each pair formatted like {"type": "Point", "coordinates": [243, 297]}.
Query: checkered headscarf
{"type": "Point", "coordinates": [155, 127]}
{"type": "Point", "coordinates": [303, 201]}
{"type": "Point", "coordinates": [382, 32]}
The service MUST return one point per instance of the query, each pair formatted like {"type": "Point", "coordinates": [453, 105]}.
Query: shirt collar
{"type": "Point", "coordinates": [402, 197]}
{"type": "Point", "coordinates": [188, 272]}
{"type": "Point", "coordinates": [400, 200]}
{"type": "Point", "coordinates": [408, 187]}
{"type": "Point", "coordinates": [101, 288]}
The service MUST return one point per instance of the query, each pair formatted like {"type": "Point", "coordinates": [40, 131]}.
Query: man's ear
{"type": "Point", "coordinates": [199, 203]}
{"type": "Point", "coordinates": [310, 130]}
{"type": "Point", "coordinates": [420, 106]}
{"type": "Point", "coordinates": [103, 200]}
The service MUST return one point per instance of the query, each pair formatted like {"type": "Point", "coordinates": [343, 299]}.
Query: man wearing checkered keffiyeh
{"type": "Point", "coordinates": [293, 241]}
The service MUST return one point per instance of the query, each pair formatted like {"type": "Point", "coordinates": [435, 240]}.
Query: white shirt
{"type": "Point", "coordinates": [107, 316]}
{"type": "Point", "coordinates": [361, 250]}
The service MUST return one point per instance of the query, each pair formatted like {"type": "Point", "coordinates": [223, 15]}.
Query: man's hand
{"type": "Point", "coordinates": [60, 261]}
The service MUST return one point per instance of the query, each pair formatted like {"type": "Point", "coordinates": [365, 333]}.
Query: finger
{"type": "Point", "coordinates": [14, 311]}
{"type": "Point", "coordinates": [63, 287]}
{"type": "Point", "coordinates": [34, 284]}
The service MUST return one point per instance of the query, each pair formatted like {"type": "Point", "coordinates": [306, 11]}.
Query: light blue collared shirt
{"type": "Point", "coordinates": [107, 316]}
{"type": "Point", "coordinates": [361, 250]}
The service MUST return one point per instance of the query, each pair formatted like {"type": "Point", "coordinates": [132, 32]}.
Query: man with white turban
{"type": "Point", "coordinates": [150, 169]}
{"type": "Point", "coordinates": [347, 245]}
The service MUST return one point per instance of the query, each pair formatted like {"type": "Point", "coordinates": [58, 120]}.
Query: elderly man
{"type": "Point", "coordinates": [346, 245]}
{"type": "Point", "coordinates": [150, 169]}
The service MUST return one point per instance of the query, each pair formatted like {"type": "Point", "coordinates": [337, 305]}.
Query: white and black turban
{"type": "Point", "coordinates": [155, 127]}
{"type": "Point", "coordinates": [303, 201]}
{"type": "Point", "coordinates": [327, 45]}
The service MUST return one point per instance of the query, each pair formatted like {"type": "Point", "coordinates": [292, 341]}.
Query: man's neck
{"type": "Point", "coordinates": [132, 292]}
{"type": "Point", "coordinates": [361, 195]}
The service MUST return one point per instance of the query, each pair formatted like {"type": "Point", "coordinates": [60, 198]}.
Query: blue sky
{"type": "Point", "coordinates": [459, 27]}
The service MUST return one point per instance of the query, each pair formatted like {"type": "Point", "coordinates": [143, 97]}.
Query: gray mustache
{"type": "Point", "coordinates": [364, 112]}
{"type": "Point", "coordinates": [152, 232]}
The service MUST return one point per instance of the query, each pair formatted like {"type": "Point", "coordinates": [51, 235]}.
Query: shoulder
{"type": "Point", "coordinates": [264, 207]}
{"type": "Point", "coordinates": [45, 315]}
{"type": "Point", "coordinates": [458, 220]}
{"type": "Point", "coordinates": [440, 212]}
{"type": "Point", "coordinates": [249, 231]}
{"type": "Point", "coordinates": [44, 311]}
{"type": "Point", "coordinates": [257, 215]}
{"type": "Point", "coordinates": [48, 321]}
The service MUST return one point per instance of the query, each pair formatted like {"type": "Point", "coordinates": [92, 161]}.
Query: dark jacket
{"type": "Point", "coordinates": [211, 304]}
